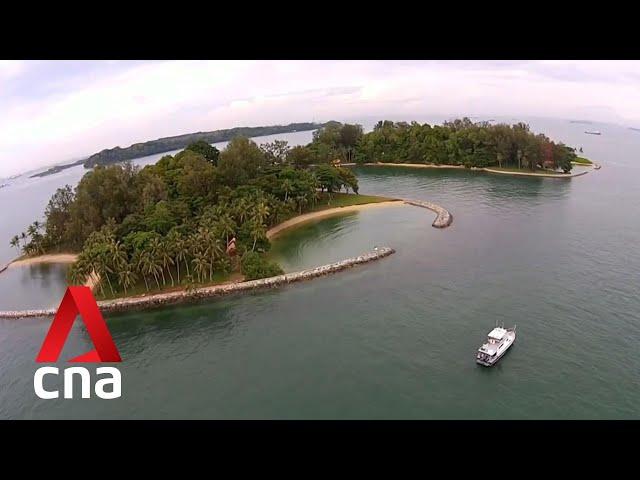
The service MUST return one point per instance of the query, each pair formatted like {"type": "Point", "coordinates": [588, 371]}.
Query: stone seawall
{"type": "Point", "coordinates": [443, 218]}
{"type": "Point", "coordinates": [159, 299]}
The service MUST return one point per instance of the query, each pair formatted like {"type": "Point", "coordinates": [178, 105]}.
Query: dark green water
{"type": "Point", "coordinates": [397, 338]}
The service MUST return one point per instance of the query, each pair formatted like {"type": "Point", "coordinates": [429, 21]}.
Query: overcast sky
{"type": "Point", "coordinates": [54, 111]}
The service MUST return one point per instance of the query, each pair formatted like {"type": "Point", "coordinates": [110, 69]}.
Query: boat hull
{"type": "Point", "coordinates": [492, 361]}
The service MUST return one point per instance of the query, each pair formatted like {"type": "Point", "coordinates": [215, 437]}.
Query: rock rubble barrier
{"type": "Point", "coordinates": [160, 299]}
{"type": "Point", "coordinates": [443, 218]}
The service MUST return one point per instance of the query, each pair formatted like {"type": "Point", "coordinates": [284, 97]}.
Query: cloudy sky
{"type": "Point", "coordinates": [56, 111]}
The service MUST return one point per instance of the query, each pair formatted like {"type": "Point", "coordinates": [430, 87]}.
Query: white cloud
{"type": "Point", "coordinates": [138, 102]}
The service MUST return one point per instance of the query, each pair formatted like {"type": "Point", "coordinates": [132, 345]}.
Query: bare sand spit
{"type": "Point", "coordinates": [326, 213]}
{"type": "Point", "coordinates": [49, 258]}
{"type": "Point", "coordinates": [416, 165]}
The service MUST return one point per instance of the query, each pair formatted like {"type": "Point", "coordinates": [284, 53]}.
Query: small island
{"type": "Point", "coordinates": [205, 217]}
{"type": "Point", "coordinates": [464, 144]}
{"type": "Point", "coordinates": [195, 219]}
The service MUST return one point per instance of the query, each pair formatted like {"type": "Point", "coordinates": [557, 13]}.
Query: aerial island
{"type": "Point", "coordinates": [137, 150]}
{"type": "Point", "coordinates": [205, 217]}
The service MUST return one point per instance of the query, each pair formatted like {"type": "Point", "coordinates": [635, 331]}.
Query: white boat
{"type": "Point", "coordinates": [498, 342]}
{"type": "Point", "coordinates": [594, 132]}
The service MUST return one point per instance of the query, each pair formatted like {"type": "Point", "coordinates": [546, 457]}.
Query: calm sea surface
{"type": "Point", "coordinates": [395, 338]}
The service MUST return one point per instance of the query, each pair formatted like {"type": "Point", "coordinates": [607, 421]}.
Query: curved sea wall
{"type": "Point", "coordinates": [443, 218]}
{"type": "Point", "coordinates": [169, 298]}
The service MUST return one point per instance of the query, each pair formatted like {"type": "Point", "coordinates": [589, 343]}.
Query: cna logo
{"type": "Point", "coordinates": [79, 300]}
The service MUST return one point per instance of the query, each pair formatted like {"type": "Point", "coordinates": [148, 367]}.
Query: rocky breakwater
{"type": "Point", "coordinates": [443, 218]}
{"type": "Point", "coordinates": [160, 299]}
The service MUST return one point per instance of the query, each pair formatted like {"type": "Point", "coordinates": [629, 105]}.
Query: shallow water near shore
{"type": "Point", "coordinates": [396, 338]}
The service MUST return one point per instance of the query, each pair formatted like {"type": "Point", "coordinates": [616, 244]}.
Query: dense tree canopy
{"type": "Point", "coordinates": [172, 222]}
{"type": "Point", "coordinates": [463, 142]}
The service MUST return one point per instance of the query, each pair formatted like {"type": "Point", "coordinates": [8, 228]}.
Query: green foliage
{"type": "Point", "coordinates": [208, 151]}
{"type": "Point", "coordinates": [333, 179]}
{"type": "Point", "coordinates": [241, 162]}
{"type": "Point", "coordinates": [335, 141]}
{"type": "Point", "coordinates": [255, 266]}
{"type": "Point", "coordinates": [462, 142]}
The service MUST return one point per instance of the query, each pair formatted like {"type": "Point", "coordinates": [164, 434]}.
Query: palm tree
{"type": "Point", "coordinates": [95, 266]}
{"type": "Point", "coordinates": [118, 254]}
{"type": "Point", "coordinates": [261, 212]}
{"type": "Point", "coordinates": [139, 261]}
{"type": "Point", "coordinates": [151, 265]}
{"type": "Point", "coordinates": [227, 226]}
{"type": "Point", "coordinates": [215, 250]}
{"type": "Point", "coordinates": [127, 276]}
{"type": "Point", "coordinates": [286, 186]}
{"type": "Point", "coordinates": [171, 241]}
{"type": "Point", "coordinates": [78, 272]}
{"type": "Point", "coordinates": [200, 265]}
{"type": "Point", "coordinates": [105, 269]}
{"type": "Point", "coordinates": [155, 247]}
{"type": "Point", "coordinates": [301, 200]}
{"type": "Point", "coordinates": [15, 242]}
{"type": "Point", "coordinates": [31, 230]}
{"type": "Point", "coordinates": [257, 230]}
{"type": "Point", "coordinates": [181, 252]}
{"type": "Point", "coordinates": [242, 209]}
{"type": "Point", "coordinates": [164, 255]}
{"type": "Point", "coordinates": [23, 237]}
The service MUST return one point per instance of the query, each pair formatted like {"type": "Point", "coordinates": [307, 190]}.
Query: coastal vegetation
{"type": "Point", "coordinates": [457, 143]}
{"type": "Point", "coordinates": [462, 142]}
{"type": "Point", "coordinates": [191, 219]}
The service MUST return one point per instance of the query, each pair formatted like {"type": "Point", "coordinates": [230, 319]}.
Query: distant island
{"type": "Point", "coordinates": [57, 168]}
{"type": "Point", "coordinates": [167, 144]}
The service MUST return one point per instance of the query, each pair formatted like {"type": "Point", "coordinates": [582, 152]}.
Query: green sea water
{"type": "Point", "coordinates": [396, 338]}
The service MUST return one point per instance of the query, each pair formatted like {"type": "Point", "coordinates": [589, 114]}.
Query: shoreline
{"type": "Point", "coordinates": [479, 169]}
{"type": "Point", "coordinates": [46, 258]}
{"type": "Point", "coordinates": [532, 174]}
{"type": "Point", "coordinates": [171, 298]}
{"type": "Point", "coordinates": [417, 165]}
{"type": "Point", "coordinates": [308, 217]}
{"type": "Point", "coordinates": [443, 219]}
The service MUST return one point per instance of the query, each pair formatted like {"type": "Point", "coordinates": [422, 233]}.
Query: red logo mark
{"type": "Point", "coordinates": [79, 301]}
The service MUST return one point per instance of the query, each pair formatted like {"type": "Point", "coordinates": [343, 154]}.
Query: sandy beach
{"type": "Point", "coordinates": [49, 258]}
{"type": "Point", "coordinates": [416, 165]}
{"type": "Point", "coordinates": [326, 213]}
{"type": "Point", "coordinates": [546, 175]}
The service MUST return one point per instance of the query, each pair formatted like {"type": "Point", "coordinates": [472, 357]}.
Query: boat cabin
{"type": "Point", "coordinates": [496, 335]}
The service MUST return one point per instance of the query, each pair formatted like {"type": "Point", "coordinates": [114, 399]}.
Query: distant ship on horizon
{"type": "Point", "coordinates": [592, 132]}
{"type": "Point", "coordinates": [586, 122]}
